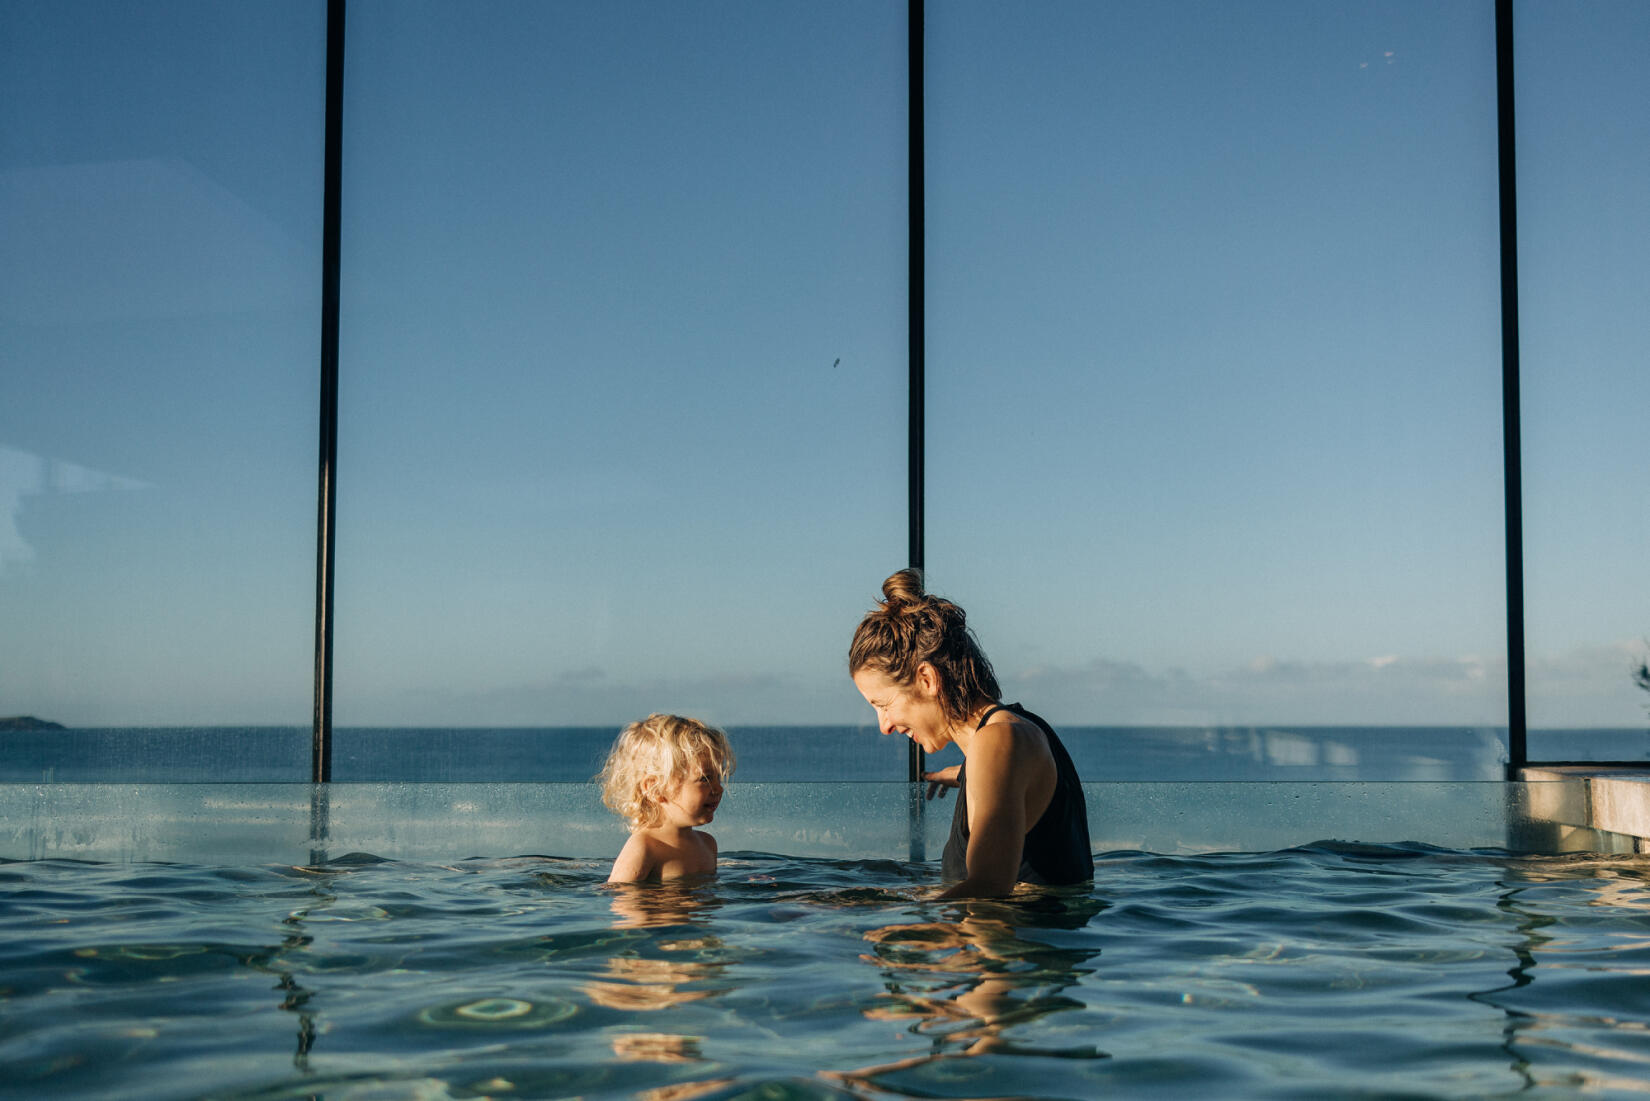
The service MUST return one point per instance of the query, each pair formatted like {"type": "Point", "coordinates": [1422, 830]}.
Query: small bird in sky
{"type": "Point", "coordinates": [838, 361]}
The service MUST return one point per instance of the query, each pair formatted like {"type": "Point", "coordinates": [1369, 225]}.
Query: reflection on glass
{"type": "Point", "coordinates": [1584, 214]}
{"type": "Point", "coordinates": [1214, 348]}
{"type": "Point", "coordinates": [1213, 361]}
{"type": "Point", "coordinates": [623, 360]}
{"type": "Point", "coordinates": [160, 176]}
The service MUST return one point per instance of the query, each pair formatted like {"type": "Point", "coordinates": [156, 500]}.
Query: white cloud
{"type": "Point", "coordinates": [1587, 686]}
{"type": "Point", "coordinates": [1388, 690]}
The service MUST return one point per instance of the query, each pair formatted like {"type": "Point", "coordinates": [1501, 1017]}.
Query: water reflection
{"type": "Point", "coordinates": [1556, 945]}
{"type": "Point", "coordinates": [656, 905]}
{"type": "Point", "coordinates": [684, 964]}
{"type": "Point", "coordinates": [968, 984]}
{"type": "Point", "coordinates": [650, 984]}
{"type": "Point", "coordinates": [297, 940]}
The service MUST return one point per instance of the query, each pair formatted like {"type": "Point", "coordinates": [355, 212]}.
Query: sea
{"type": "Point", "coordinates": [780, 754]}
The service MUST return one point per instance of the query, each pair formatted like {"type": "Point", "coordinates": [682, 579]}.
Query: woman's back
{"type": "Point", "coordinates": [1056, 848]}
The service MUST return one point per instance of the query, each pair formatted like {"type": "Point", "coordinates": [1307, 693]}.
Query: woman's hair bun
{"type": "Point", "coordinates": [905, 587]}
{"type": "Point", "coordinates": [908, 627]}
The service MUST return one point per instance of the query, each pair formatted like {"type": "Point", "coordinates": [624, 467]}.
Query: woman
{"type": "Point", "coordinates": [1020, 815]}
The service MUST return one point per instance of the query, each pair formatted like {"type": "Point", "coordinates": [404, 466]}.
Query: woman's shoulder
{"type": "Point", "coordinates": [1013, 723]}
{"type": "Point", "coordinates": [1007, 735]}
{"type": "Point", "coordinates": [1007, 738]}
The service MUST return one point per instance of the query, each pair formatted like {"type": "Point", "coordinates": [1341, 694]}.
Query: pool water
{"type": "Point", "coordinates": [1331, 970]}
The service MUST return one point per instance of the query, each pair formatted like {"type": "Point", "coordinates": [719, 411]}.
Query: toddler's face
{"type": "Point", "coordinates": [693, 802]}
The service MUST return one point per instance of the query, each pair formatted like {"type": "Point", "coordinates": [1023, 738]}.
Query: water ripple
{"type": "Point", "coordinates": [1332, 970]}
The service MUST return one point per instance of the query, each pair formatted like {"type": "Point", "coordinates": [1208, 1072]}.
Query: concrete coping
{"type": "Point", "coordinates": [1611, 799]}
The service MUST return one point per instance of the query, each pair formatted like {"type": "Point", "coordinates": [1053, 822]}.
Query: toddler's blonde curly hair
{"type": "Point", "coordinates": [660, 748]}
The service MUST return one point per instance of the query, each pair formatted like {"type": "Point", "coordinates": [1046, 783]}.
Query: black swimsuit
{"type": "Point", "coordinates": [1056, 849]}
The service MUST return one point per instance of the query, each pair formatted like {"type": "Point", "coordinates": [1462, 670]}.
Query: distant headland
{"type": "Point", "coordinates": [29, 722]}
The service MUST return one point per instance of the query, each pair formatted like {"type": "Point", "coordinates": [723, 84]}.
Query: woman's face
{"type": "Point", "coordinates": [911, 709]}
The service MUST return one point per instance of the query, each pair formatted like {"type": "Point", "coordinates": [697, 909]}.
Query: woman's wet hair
{"type": "Point", "coordinates": [910, 626]}
{"type": "Point", "coordinates": [660, 748]}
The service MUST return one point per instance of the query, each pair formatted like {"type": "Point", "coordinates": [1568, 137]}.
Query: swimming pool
{"type": "Point", "coordinates": [456, 940]}
{"type": "Point", "coordinates": [1332, 970]}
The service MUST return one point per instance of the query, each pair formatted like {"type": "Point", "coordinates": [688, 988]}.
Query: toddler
{"type": "Point", "coordinates": [664, 776]}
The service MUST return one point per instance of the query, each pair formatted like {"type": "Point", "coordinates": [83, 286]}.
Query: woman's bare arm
{"type": "Point", "coordinates": [996, 818]}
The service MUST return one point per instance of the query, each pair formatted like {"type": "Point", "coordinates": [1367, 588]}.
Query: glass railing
{"type": "Point", "coordinates": [307, 824]}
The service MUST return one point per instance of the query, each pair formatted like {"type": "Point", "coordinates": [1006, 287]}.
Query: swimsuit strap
{"type": "Point", "coordinates": [1009, 707]}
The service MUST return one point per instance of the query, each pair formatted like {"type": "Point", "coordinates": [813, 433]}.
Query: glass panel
{"type": "Point", "coordinates": [293, 824]}
{"type": "Point", "coordinates": [623, 367]}
{"type": "Point", "coordinates": [1584, 215]}
{"type": "Point", "coordinates": [1214, 366]}
{"type": "Point", "coordinates": [160, 179]}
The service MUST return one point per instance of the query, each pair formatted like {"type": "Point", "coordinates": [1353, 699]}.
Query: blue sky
{"type": "Point", "coordinates": [1213, 358]}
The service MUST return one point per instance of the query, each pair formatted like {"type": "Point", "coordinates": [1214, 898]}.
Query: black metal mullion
{"type": "Point", "coordinates": [916, 310]}
{"type": "Point", "coordinates": [1511, 444]}
{"type": "Point", "coordinates": [327, 490]}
